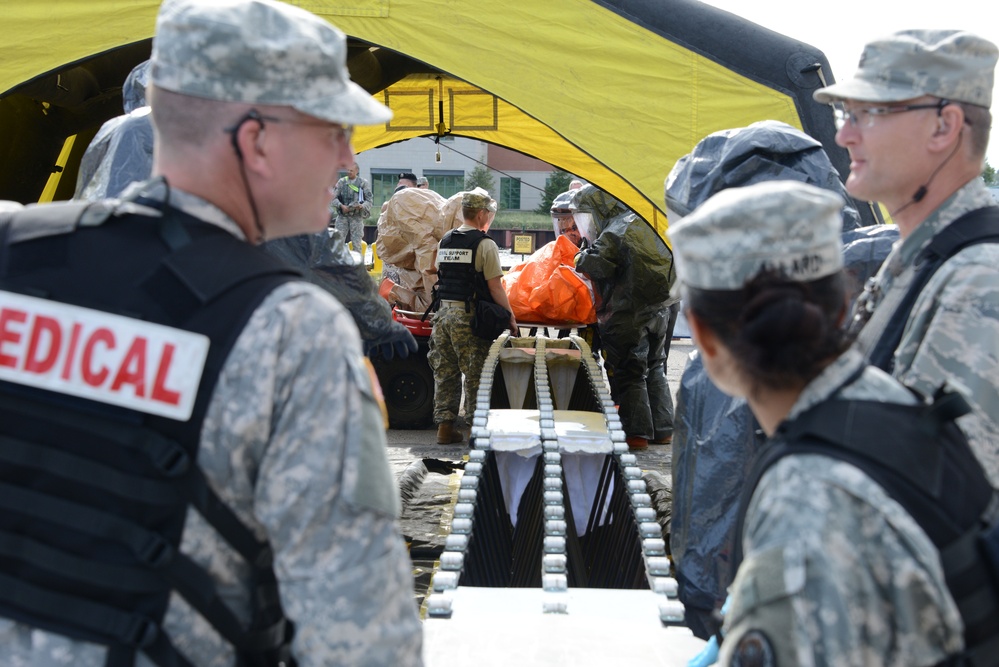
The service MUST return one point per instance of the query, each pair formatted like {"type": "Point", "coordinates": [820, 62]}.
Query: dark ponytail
{"type": "Point", "coordinates": [781, 333]}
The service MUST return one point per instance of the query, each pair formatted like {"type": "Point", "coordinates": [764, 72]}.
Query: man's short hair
{"type": "Point", "coordinates": [979, 127]}
{"type": "Point", "coordinates": [422, 182]}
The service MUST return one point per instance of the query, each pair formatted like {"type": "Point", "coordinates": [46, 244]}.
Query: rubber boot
{"type": "Point", "coordinates": [447, 434]}
{"type": "Point", "coordinates": [636, 442]}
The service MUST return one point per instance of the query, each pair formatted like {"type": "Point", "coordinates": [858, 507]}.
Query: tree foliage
{"type": "Point", "coordinates": [555, 184]}
{"type": "Point", "coordinates": [482, 177]}
{"type": "Point", "coordinates": [989, 174]}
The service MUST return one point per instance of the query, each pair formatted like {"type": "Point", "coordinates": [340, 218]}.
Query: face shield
{"type": "Point", "coordinates": [574, 225]}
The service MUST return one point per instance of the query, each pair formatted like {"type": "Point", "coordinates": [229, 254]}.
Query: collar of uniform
{"type": "Point", "coordinates": [186, 202]}
{"type": "Point", "coordinates": [832, 378]}
{"type": "Point", "coordinates": [205, 211]}
{"type": "Point", "coordinates": [972, 196]}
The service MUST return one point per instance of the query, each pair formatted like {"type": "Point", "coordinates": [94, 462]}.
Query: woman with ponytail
{"type": "Point", "coordinates": [831, 569]}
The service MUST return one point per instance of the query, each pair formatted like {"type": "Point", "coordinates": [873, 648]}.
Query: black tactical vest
{"type": "Point", "coordinates": [457, 279]}
{"type": "Point", "coordinates": [93, 496]}
{"type": "Point", "coordinates": [928, 467]}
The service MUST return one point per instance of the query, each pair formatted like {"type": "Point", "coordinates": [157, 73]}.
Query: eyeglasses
{"type": "Point", "coordinates": [864, 117]}
{"type": "Point", "coordinates": [338, 132]}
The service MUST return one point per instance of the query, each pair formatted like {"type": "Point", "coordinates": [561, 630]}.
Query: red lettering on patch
{"type": "Point", "coordinates": [160, 392]}
{"type": "Point", "coordinates": [8, 335]}
{"type": "Point", "coordinates": [100, 356]}
{"type": "Point", "coordinates": [43, 327]}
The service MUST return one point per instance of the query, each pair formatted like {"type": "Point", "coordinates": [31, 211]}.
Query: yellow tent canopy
{"type": "Point", "coordinates": [614, 91]}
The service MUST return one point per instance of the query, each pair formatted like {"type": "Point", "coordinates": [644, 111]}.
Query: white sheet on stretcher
{"type": "Point", "coordinates": [515, 437]}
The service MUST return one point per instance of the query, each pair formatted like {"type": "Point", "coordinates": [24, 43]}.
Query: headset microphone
{"type": "Point", "coordinates": [920, 193]}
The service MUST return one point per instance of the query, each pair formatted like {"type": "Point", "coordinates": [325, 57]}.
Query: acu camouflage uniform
{"type": "Point", "coordinates": [836, 571]}
{"type": "Point", "coordinates": [952, 334]}
{"type": "Point", "coordinates": [293, 442]}
{"type": "Point", "coordinates": [293, 439]}
{"type": "Point", "coordinates": [351, 225]}
{"type": "Point", "coordinates": [455, 350]}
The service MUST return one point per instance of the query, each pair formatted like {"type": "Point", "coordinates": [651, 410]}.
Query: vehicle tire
{"type": "Point", "coordinates": [408, 386]}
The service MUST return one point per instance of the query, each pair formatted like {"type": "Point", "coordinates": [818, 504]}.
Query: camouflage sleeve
{"type": "Point", "coordinates": [366, 204]}
{"type": "Point", "coordinates": [338, 197]}
{"type": "Point", "coordinates": [295, 443]}
{"type": "Point", "coordinates": [952, 336]}
{"type": "Point", "coordinates": [836, 573]}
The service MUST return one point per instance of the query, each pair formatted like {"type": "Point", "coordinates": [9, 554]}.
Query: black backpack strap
{"type": "Point", "coordinates": [978, 226]}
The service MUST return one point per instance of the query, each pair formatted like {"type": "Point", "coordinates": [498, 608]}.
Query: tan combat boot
{"type": "Point", "coordinates": [447, 434]}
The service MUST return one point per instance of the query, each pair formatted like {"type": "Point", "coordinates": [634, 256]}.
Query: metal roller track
{"type": "Point", "coordinates": [622, 527]}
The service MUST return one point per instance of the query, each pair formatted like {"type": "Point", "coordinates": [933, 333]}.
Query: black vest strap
{"type": "Point", "coordinates": [979, 226]}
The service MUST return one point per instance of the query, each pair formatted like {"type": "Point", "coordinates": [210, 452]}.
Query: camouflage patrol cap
{"type": "Point", "coordinates": [478, 198]}
{"type": "Point", "coordinates": [949, 64]}
{"type": "Point", "coordinates": [259, 52]}
{"type": "Point", "coordinates": [787, 226]}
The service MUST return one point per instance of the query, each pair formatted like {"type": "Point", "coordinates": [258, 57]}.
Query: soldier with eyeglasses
{"type": "Point", "coordinates": [915, 119]}
{"type": "Point", "coordinates": [194, 466]}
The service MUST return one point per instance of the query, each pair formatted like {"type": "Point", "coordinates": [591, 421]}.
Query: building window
{"type": "Point", "coordinates": [383, 182]}
{"type": "Point", "coordinates": [445, 183]}
{"type": "Point", "coordinates": [509, 193]}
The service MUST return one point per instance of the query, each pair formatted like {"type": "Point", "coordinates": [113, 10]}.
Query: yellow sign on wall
{"type": "Point", "coordinates": [523, 244]}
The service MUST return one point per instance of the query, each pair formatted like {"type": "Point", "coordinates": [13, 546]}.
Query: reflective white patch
{"type": "Point", "coordinates": [454, 256]}
{"type": "Point", "coordinates": [104, 357]}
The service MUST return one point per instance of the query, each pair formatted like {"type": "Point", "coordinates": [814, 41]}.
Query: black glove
{"type": "Point", "coordinates": [397, 342]}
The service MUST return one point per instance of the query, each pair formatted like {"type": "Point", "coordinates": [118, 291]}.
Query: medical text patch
{"type": "Point", "coordinates": [100, 356]}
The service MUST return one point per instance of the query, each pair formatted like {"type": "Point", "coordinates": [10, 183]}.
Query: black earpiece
{"type": "Point", "coordinates": [251, 115]}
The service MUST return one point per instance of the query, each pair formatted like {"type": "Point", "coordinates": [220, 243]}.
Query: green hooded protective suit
{"type": "Point", "coordinates": [632, 272]}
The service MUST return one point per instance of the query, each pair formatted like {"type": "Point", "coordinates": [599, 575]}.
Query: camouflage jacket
{"type": "Point", "coordinates": [952, 335]}
{"type": "Point", "coordinates": [293, 441]}
{"type": "Point", "coordinates": [348, 193]}
{"type": "Point", "coordinates": [836, 572]}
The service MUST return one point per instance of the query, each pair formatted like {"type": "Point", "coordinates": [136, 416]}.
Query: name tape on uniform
{"type": "Point", "coordinates": [454, 256]}
{"type": "Point", "coordinates": [100, 356]}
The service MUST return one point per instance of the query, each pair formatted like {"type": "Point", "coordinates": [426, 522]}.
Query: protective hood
{"type": "Point", "coordinates": [133, 92]}
{"type": "Point", "coordinates": [764, 151]}
{"type": "Point", "coordinates": [630, 265]}
{"type": "Point", "coordinates": [602, 206]}
{"type": "Point", "coordinates": [576, 225]}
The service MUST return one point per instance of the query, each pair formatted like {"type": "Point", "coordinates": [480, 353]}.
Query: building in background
{"type": "Point", "coordinates": [519, 180]}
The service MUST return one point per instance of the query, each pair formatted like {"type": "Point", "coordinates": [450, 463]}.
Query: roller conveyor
{"type": "Point", "coordinates": [553, 522]}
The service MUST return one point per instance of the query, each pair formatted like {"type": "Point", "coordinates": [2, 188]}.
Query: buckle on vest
{"type": "Point", "coordinates": [156, 552]}
{"type": "Point", "coordinates": [141, 632]}
{"type": "Point", "coordinates": [171, 460]}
